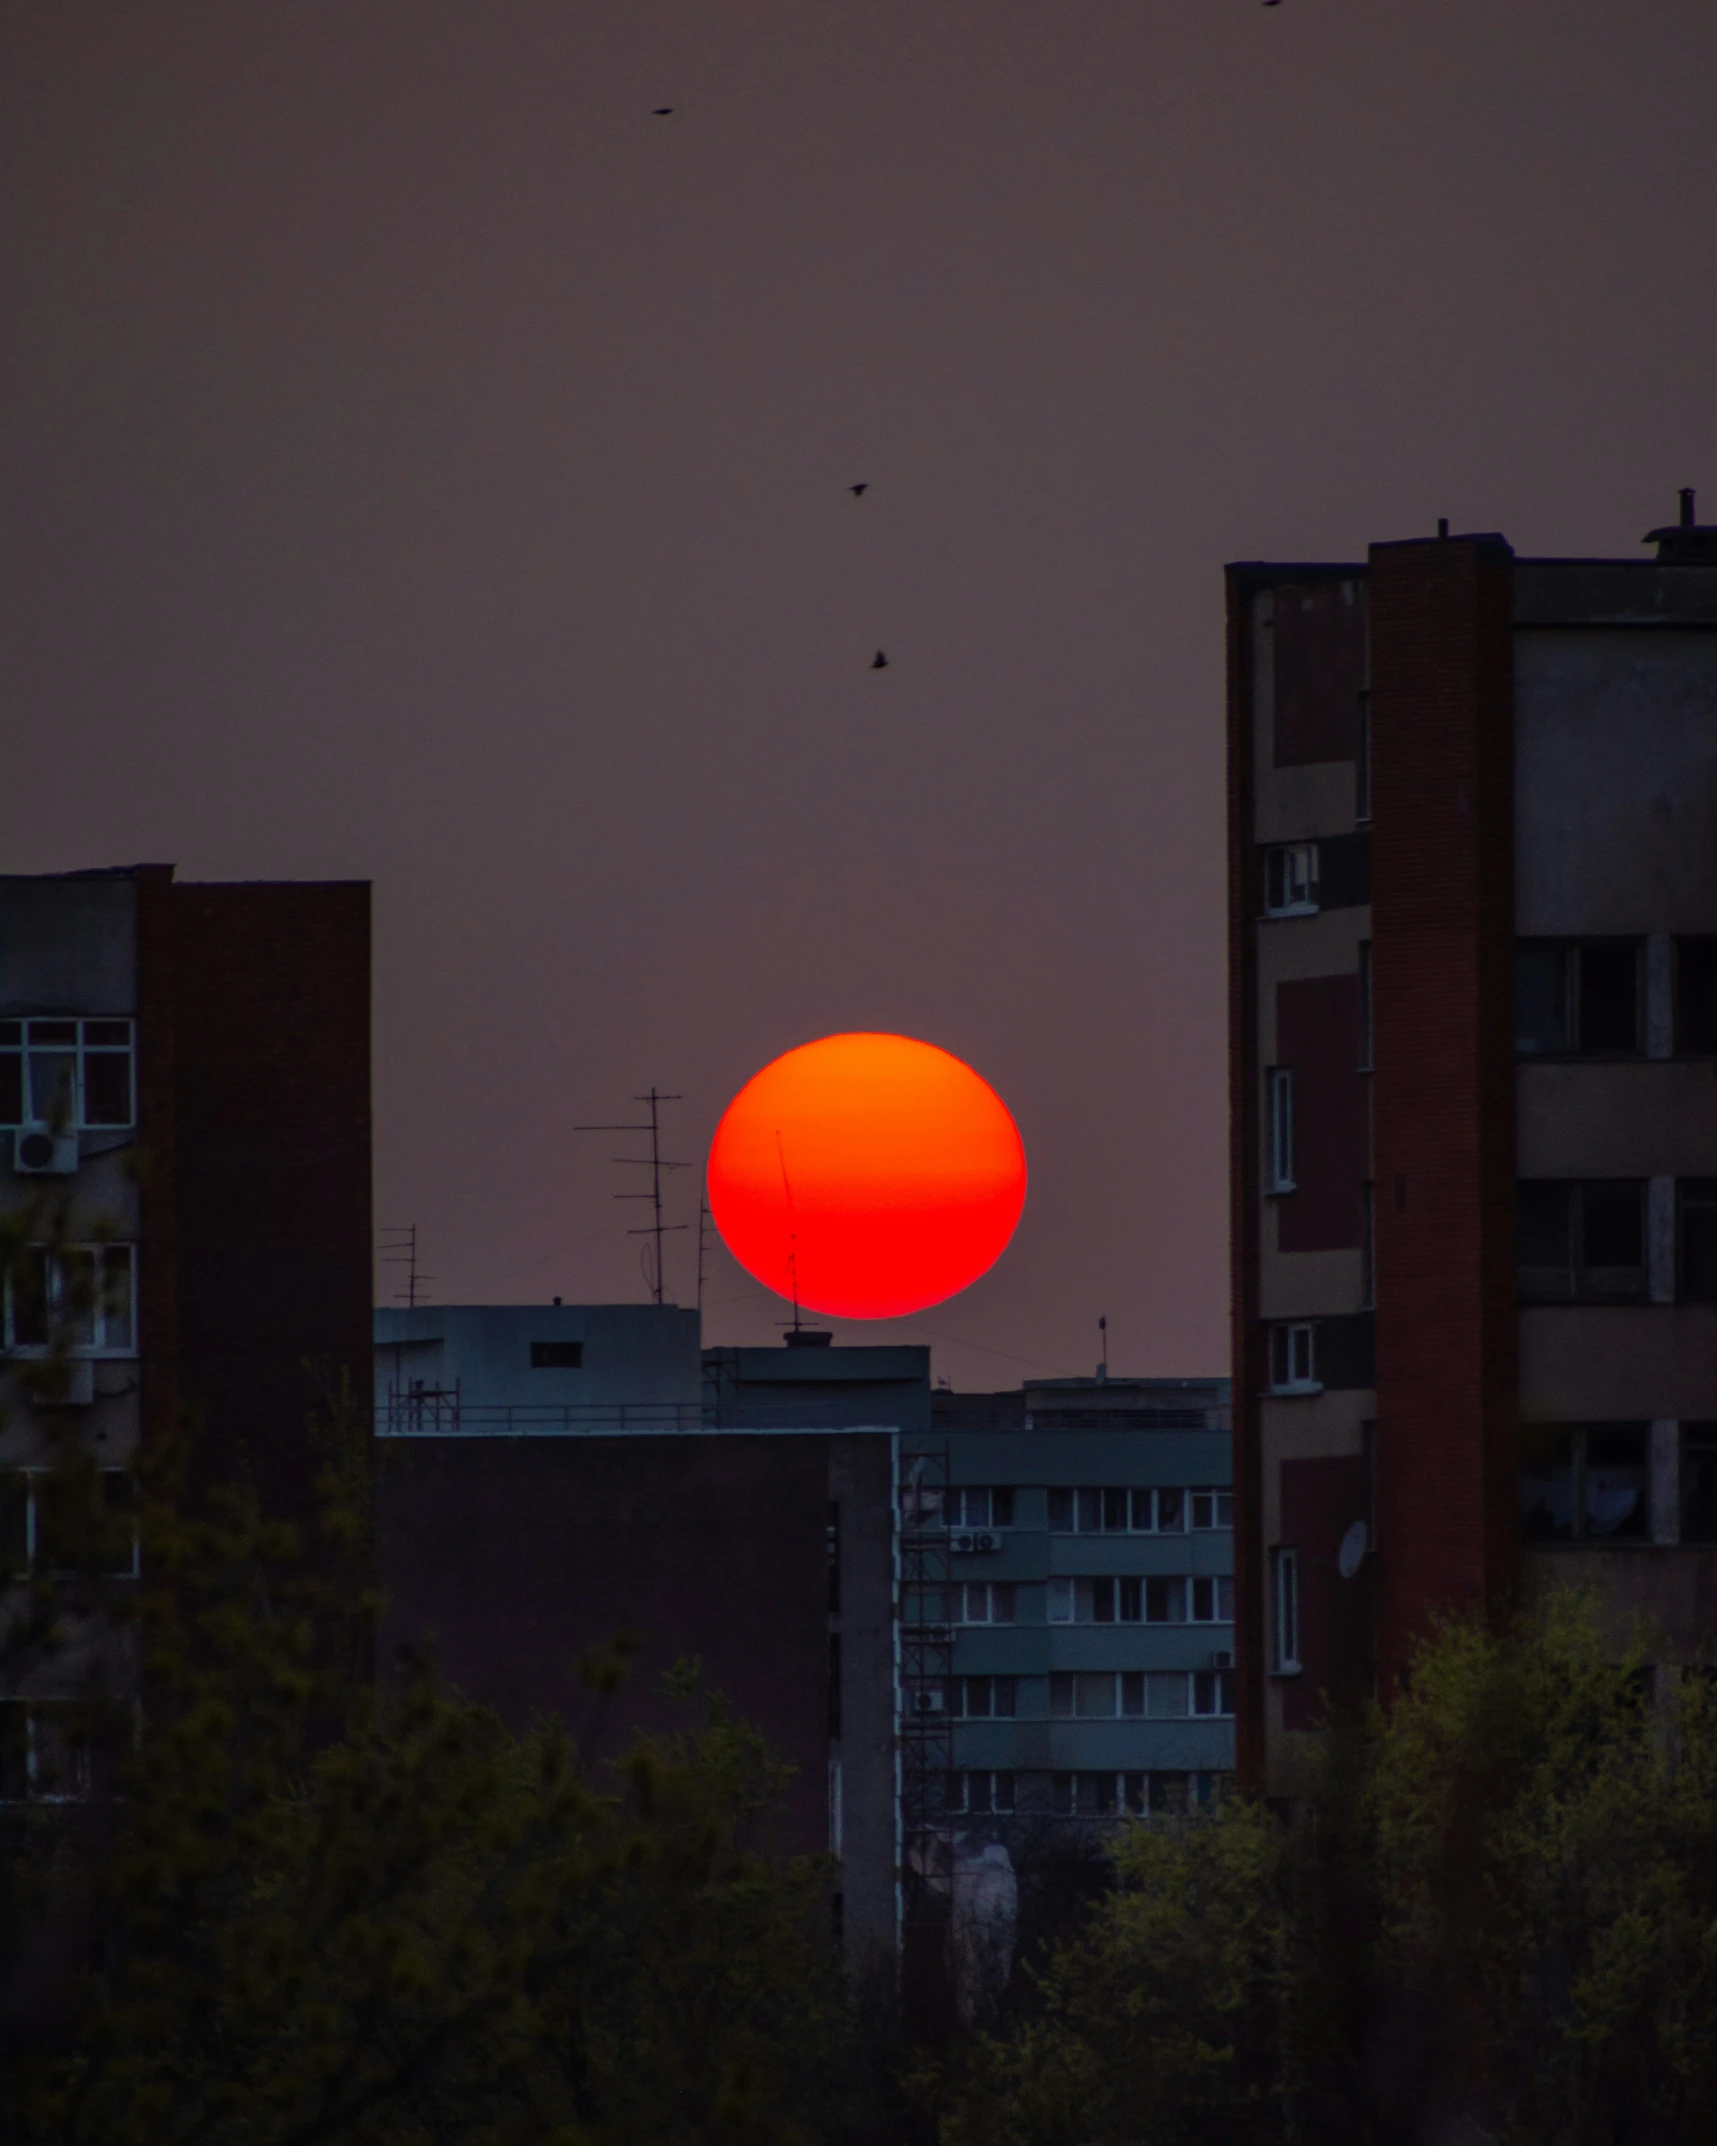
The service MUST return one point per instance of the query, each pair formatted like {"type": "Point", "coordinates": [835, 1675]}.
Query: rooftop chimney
{"type": "Point", "coordinates": [1685, 542]}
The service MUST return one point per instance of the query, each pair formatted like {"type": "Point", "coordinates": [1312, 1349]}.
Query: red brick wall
{"type": "Point", "coordinates": [270, 1004]}
{"type": "Point", "coordinates": [1246, 1346]}
{"type": "Point", "coordinates": [1443, 1089]}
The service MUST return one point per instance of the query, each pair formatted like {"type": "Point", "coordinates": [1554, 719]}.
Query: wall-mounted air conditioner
{"type": "Point", "coordinates": [44, 1151]}
{"type": "Point", "coordinates": [1223, 1658]}
{"type": "Point", "coordinates": [930, 1702]}
{"type": "Point", "coordinates": [969, 1542]}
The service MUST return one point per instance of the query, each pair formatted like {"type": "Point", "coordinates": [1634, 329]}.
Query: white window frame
{"type": "Point", "coordinates": [963, 1592]}
{"type": "Point", "coordinates": [1297, 1372]}
{"type": "Point", "coordinates": [1291, 879]}
{"type": "Point", "coordinates": [80, 1051]}
{"type": "Point", "coordinates": [1285, 1595]}
{"type": "Point", "coordinates": [964, 1501]}
{"type": "Point", "coordinates": [1214, 1499]}
{"type": "Point", "coordinates": [995, 1807]}
{"type": "Point", "coordinates": [1221, 1686]}
{"type": "Point", "coordinates": [97, 1349]}
{"type": "Point", "coordinates": [1279, 1163]}
{"type": "Point", "coordinates": [1215, 1582]}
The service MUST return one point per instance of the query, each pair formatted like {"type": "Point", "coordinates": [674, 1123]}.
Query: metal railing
{"type": "Point", "coordinates": [444, 1414]}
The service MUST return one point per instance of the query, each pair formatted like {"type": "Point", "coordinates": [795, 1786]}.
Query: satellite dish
{"type": "Point", "coordinates": [1352, 1552]}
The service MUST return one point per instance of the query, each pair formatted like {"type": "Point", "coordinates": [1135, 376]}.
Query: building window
{"type": "Point", "coordinates": [45, 1751]}
{"type": "Point", "coordinates": [1285, 1590]}
{"type": "Point", "coordinates": [977, 1602]}
{"type": "Point", "coordinates": [1165, 1511]}
{"type": "Point", "coordinates": [557, 1355]}
{"type": "Point", "coordinates": [970, 1508]}
{"type": "Point", "coordinates": [986, 1698]}
{"type": "Point", "coordinates": [1581, 1241]}
{"type": "Point", "coordinates": [51, 1522]}
{"type": "Point", "coordinates": [1280, 1088]}
{"type": "Point", "coordinates": [1213, 1692]}
{"type": "Point", "coordinates": [1696, 995]}
{"type": "Point", "coordinates": [1291, 879]}
{"type": "Point", "coordinates": [981, 1794]}
{"type": "Point", "coordinates": [1586, 1482]}
{"type": "Point", "coordinates": [1696, 1281]}
{"type": "Point", "coordinates": [1211, 1601]}
{"type": "Point", "coordinates": [1159, 1599]}
{"type": "Point", "coordinates": [1293, 1357]}
{"type": "Point", "coordinates": [1577, 996]}
{"type": "Point", "coordinates": [85, 1297]}
{"type": "Point", "coordinates": [1699, 1482]}
{"type": "Point", "coordinates": [73, 1074]}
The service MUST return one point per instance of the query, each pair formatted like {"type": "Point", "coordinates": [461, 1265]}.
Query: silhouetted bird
{"type": "Point", "coordinates": [879, 662]}
{"type": "Point", "coordinates": [858, 490]}
{"type": "Point", "coordinates": [666, 111]}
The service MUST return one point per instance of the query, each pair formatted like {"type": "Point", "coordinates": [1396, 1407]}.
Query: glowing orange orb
{"type": "Point", "coordinates": [867, 1176]}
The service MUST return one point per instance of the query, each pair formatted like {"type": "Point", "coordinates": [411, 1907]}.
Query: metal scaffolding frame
{"type": "Point", "coordinates": [926, 1680]}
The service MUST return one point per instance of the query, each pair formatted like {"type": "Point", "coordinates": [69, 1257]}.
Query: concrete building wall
{"type": "Point", "coordinates": [633, 1357]}
{"type": "Point", "coordinates": [509, 1557]}
{"type": "Point", "coordinates": [1542, 766]}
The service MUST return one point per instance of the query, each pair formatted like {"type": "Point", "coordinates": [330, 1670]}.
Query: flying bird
{"type": "Point", "coordinates": [666, 111]}
{"type": "Point", "coordinates": [858, 490]}
{"type": "Point", "coordinates": [879, 662]}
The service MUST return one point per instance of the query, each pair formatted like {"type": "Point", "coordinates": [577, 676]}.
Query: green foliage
{"type": "Point", "coordinates": [324, 1919]}
{"type": "Point", "coordinates": [1492, 1917]}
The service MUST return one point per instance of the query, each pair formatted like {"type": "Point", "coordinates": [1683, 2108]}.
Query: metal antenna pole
{"type": "Point", "coordinates": [655, 1228]}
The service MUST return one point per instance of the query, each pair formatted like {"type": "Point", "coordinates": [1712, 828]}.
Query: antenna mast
{"type": "Point", "coordinates": [402, 1252]}
{"type": "Point", "coordinates": [655, 1229]}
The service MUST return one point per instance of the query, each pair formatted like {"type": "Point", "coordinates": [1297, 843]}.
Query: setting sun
{"type": "Point", "coordinates": [867, 1176]}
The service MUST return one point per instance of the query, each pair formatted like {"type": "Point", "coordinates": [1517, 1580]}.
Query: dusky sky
{"type": "Point", "coordinates": [422, 464]}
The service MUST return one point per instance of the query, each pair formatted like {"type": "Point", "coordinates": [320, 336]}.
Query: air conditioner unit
{"type": "Point", "coordinates": [930, 1702]}
{"type": "Point", "coordinates": [44, 1151]}
{"type": "Point", "coordinates": [1222, 1659]}
{"type": "Point", "coordinates": [973, 1541]}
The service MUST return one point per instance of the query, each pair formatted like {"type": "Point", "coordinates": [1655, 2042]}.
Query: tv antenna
{"type": "Point", "coordinates": [402, 1252]}
{"type": "Point", "coordinates": [792, 1233]}
{"type": "Point", "coordinates": [1102, 1349]}
{"type": "Point", "coordinates": [655, 1162]}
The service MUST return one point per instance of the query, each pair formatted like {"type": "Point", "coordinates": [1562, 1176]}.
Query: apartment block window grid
{"type": "Point", "coordinates": [1110, 1795]}
{"type": "Point", "coordinates": [989, 1506]}
{"type": "Point", "coordinates": [1156, 1598]}
{"type": "Point", "coordinates": [51, 1522]}
{"type": "Point", "coordinates": [84, 1297]}
{"type": "Point", "coordinates": [979, 1793]}
{"type": "Point", "coordinates": [74, 1074]}
{"type": "Point", "coordinates": [1142, 1694]}
{"type": "Point", "coordinates": [1156, 1511]}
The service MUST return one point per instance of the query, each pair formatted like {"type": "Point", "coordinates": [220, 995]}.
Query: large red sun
{"type": "Point", "coordinates": [866, 1176]}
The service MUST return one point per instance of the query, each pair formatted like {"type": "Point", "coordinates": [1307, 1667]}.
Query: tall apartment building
{"type": "Point", "coordinates": [1473, 1069]}
{"type": "Point", "coordinates": [185, 1113]}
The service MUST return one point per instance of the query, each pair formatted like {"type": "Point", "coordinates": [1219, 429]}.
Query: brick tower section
{"type": "Point", "coordinates": [1442, 746]}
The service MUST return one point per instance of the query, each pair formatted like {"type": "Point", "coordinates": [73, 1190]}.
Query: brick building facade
{"type": "Point", "coordinates": [1473, 1070]}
